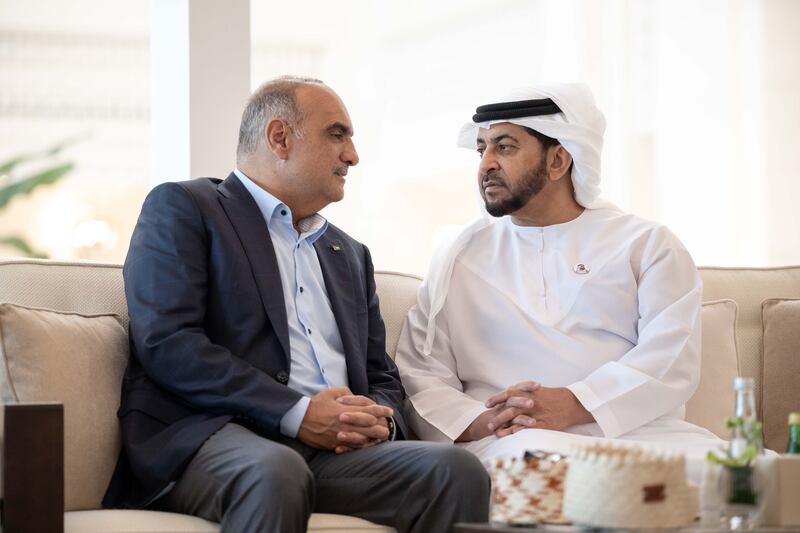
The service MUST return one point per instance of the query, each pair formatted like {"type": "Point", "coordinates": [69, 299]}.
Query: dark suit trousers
{"type": "Point", "coordinates": [254, 485]}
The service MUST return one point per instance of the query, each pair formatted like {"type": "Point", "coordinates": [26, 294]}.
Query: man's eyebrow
{"type": "Point", "coordinates": [504, 136]}
{"type": "Point", "coordinates": [339, 127]}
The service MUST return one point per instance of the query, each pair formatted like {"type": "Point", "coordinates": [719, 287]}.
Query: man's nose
{"type": "Point", "coordinates": [350, 156]}
{"type": "Point", "coordinates": [488, 162]}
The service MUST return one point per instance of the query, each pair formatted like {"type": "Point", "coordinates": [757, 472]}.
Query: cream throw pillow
{"type": "Point", "coordinates": [77, 360]}
{"type": "Point", "coordinates": [713, 401]}
{"type": "Point", "coordinates": [781, 382]}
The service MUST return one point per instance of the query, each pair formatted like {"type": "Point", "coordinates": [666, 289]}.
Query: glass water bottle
{"type": "Point", "coordinates": [748, 432]}
{"type": "Point", "coordinates": [739, 483]}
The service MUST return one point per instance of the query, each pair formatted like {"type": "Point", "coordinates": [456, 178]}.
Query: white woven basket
{"type": "Point", "coordinates": [625, 487]}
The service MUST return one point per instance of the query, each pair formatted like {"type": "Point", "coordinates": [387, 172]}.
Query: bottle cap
{"type": "Point", "coordinates": [743, 383]}
{"type": "Point", "coordinates": [794, 418]}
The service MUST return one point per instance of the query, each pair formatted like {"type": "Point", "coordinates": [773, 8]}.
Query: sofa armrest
{"type": "Point", "coordinates": [33, 468]}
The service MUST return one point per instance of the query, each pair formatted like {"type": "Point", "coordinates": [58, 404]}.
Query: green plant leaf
{"type": "Point", "coordinates": [734, 422]}
{"type": "Point", "coordinates": [749, 454]}
{"type": "Point", "coordinates": [725, 460]}
{"type": "Point", "coordinates": [27, 185]}
{"type": "Point", "coordinates": [22, 245]}
{"type": "Point", "coordinates": [12, 163]}
{"type": "Point", "coordinates": [9, 165]}
{"type": "Point", "coordinates": [713, 458]}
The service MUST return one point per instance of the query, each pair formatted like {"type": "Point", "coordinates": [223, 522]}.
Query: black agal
{"type": "Point", "coordinates": [522, 108]}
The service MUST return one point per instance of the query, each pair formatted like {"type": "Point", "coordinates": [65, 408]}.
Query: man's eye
{"type": "Point", "coordinates": [480, 151]}
{"type": "Point", "coordinates": [338, 136]}
{"type": "Point", "coordinates": [503, 147]}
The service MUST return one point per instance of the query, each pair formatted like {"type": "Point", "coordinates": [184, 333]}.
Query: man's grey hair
{"type": "Point", "coordinates": [274, 99]}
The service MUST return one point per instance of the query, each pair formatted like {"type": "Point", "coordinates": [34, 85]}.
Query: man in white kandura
{"type": "Point", "coordinates": [562, 320]}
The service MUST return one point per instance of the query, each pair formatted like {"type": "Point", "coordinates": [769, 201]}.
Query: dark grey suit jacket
{"type": "Point", "coordinates": [209, 335]}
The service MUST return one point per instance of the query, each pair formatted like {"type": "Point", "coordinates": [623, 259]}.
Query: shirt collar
{"type": "Point", "coordinates": [272, 209]}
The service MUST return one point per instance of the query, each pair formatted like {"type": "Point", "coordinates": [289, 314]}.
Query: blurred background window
{"type": "Point", "coordinates": [699, 99]}
{"type": "Point", "coordinates": [75, 74]}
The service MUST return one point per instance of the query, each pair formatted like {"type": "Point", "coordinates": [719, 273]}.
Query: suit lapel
{"type": "Point", "coordinates": [250, 226]}
{"type": "Point", "coordinates": [339, 286]}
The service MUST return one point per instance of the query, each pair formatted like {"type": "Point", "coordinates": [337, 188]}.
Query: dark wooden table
{"type": "Point", "coordinates": [33, 468]}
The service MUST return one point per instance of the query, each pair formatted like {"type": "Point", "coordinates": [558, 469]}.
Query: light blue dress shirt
{"type": "Point", "coordinates": [317, 354]}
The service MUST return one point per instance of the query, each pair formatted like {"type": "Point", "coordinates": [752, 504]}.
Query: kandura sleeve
{"type": "Point", "coordinates": [662, 371]}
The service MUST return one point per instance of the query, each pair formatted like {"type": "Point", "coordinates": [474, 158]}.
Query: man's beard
{"type": "Point", "coordinates": [529, 186]}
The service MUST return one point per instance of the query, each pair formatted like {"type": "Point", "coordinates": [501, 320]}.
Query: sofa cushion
{"type": "Point", "coordinates": [397, 293]}
{"type": "Point", "coordinates": [781, 319]}
{"type": "Point", "coordinates": [749, 287]}
{"type": "Point", "coordinates": [124, 521]}
{"type": "Point", "coordinates": [158, 522]}
{"type": "Point", "coordinates": [77, 360]}
{"type": "Point", "coordinates": [713, 401]}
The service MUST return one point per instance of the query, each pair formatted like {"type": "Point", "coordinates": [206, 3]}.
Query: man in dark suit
{"type": "Point", "coordinates": [258, 389]}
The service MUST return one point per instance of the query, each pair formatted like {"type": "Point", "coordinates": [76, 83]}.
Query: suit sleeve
{"type": "Point", "coordinates": [662, 371]}
{"type": "Point", "coordinates": [166, 275]}
{"type": "Point", "coordinates": [382, 376]}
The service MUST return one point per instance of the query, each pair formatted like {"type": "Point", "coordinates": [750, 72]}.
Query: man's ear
{"type": "Point", "coordinates": [560, 163]}
{"type": "Point", "coordinates": [276, 137]}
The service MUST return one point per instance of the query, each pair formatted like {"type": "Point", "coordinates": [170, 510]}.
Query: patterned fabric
{"type": "Point", "coordinates": [528, 490]}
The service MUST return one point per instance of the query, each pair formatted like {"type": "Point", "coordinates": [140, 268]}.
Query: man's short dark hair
{"type": "Point", "coordinates": [546, 141]}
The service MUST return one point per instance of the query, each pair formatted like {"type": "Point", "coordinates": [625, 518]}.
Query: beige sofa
{"type": "Point", "coordinates": [76, 354]}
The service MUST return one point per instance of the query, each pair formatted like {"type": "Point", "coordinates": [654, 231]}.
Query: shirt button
{"type": "Point", "coordinates": [282, 377]}
{"type": "Point", "coordinates": [301, 289]}
{"type": "Point", "coordinates": [283, 212]}
{"type": "Point", "coordinates": [309, 331]}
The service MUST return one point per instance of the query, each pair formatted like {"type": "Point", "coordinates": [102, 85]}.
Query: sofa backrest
{"type": "Point", "coordinates": [397, 292]}
{"type": "Point", "coordinates": [749, 288]}
{"type": "Point", "coordinates": [79, 361]}
{"type": "Point", "coordinates": [79, 287]}
{"type": "Point", "coordinates": [92, 288]}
